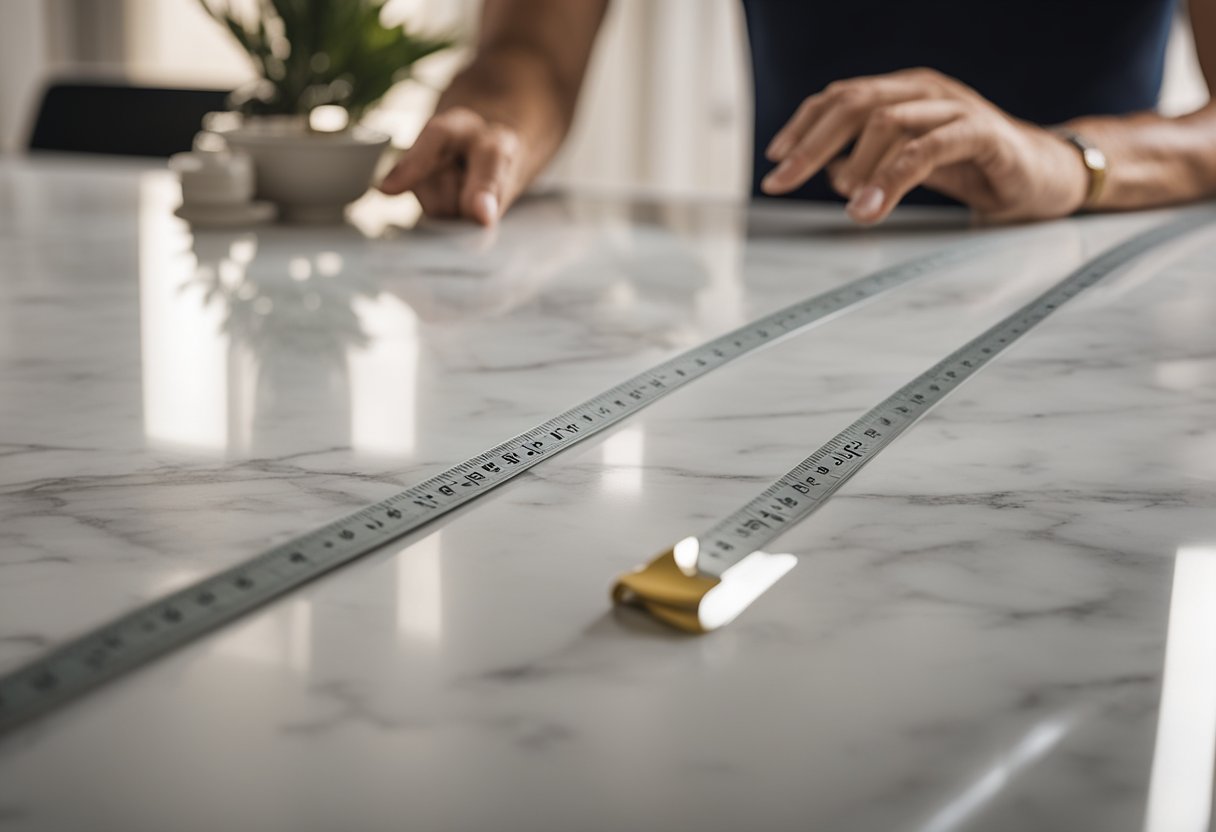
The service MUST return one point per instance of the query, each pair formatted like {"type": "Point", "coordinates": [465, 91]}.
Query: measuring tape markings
{"type": "Point", "coordinates": [809, 484]}
{"type": "Point", "coordinates": [675, 584]}
{"type": "Point", "coordinates": [182, 616]}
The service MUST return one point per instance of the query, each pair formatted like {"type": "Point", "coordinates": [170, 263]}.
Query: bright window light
{"type": "Point", "coordinates": [1180, 791]}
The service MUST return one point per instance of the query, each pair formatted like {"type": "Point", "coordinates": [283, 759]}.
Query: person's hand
{"type": "Point", "coordinates": [919, 127]}
{"type": "Point", "coordinates": [460, 166]}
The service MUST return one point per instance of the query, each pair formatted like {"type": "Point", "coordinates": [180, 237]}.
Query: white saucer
{"type": "Point", "coordinates": [228, 216]}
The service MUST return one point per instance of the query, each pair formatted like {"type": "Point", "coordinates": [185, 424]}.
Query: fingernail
{"type": "Point", "coordinates": [486, 206]}
{"type": "Point", "coordinates": [777, 148]}
{"type": "Point", "coordinates": [866, 203]}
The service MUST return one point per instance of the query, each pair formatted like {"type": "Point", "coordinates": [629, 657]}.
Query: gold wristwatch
{"type": "Point", "coordinates": [1093, 159]}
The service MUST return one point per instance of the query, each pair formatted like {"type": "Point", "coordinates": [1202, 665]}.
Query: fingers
{"type": "Point", "coordinates": [785, 139]}
{"type": "Point", "coordinates": [826, 122]}
{"type": "Point", "coordinates": [490, 165]}
{"type": "Point", "coordinates": [442, 139]}
{"type": "Point", "coordinates": [814, 149]}
{"type": "Point", "coordinates": [909, 128]}
{"type": "Point", "coordinates": [429, 197]}
{"type": "Point", "coordinates": [913, 161]}
{"type": "Point", "coordinates": [459, 166]}
{"type": "Point", "coordinates": [886, 127]}
{"type": "Point", "coordinates": [439, 193]}
{"type": "Point", "coordinates": [886, 87]}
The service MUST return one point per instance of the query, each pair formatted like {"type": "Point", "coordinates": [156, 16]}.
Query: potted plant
{"type": "Point", "coordinates": [310, 54]}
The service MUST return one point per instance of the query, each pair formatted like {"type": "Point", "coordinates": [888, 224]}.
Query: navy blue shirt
{"type": "Point", "coordinates": [1044, 61]}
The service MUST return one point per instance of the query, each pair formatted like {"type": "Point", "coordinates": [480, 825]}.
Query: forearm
{"type": "Point", "coordinates": [529, 66]}
{"type": "Point", "coordinates": [1154, 160]}
{"type": "Point", "coordinates": [505, 115]}
{"type": "Point", "coordinates": [514, 85]}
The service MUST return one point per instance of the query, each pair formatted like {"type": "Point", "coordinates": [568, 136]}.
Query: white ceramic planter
{"type": "Point", "coordinates": [311, 176]}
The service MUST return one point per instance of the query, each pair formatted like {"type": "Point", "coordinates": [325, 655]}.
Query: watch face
{"type": "Point", "coordinates": [1094, 159]}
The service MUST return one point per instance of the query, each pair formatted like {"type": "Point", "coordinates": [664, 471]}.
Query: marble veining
{"type": "Point", "coordinates": [999, 624]}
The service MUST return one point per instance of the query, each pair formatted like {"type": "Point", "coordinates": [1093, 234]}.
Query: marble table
{"type": "Point", "coordinates": [1012, 626]}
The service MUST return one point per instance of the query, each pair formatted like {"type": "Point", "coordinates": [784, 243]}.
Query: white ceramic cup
{"type": "Point", "coordinates": [211, 177]}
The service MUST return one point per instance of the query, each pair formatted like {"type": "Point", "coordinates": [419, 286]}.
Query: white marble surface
{"type": "Point", "coordinates": [983, 646]}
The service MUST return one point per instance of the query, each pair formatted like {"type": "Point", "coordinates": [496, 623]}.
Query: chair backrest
{"type": "Point", "coordinates": [113, 118]}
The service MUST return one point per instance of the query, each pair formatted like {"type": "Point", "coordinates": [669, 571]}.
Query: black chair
{"type": "Point", "coordinates": [88, 117]}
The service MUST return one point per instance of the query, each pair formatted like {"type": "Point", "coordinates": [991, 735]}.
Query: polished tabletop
{"type": "Point", "coordinates": [1007, 621]}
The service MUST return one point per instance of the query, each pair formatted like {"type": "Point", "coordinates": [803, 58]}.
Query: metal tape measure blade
{"type": "Point", "coordinates": [180, 617]}
{"type": "Point", "coordinates": [801, 491]}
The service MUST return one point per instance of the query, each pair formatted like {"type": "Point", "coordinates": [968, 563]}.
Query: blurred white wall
{"type": "Point", "coordinates": [1183, 89]}
{"type": "Point", "coordinates": [23, 55]}
{"type": "Point", "coordinates": [157, 45]}
{"type": "Point", "coordinates": [666, 104]}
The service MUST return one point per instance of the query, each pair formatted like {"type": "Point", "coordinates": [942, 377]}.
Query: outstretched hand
{"type": "Point", "coordinates": [919, 127]}
{"type": "Point", "coordinates": [460, 166]}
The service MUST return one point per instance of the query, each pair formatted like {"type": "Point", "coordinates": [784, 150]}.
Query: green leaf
{"type": "Point", "coordinates": [313, 52]}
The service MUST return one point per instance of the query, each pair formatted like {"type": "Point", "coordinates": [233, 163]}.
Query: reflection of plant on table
{"type": "Point", "coordinates": [310, 53]}
{"type": "Point", "coordinates": [284, 297]}
{"type": "Point", "coordinates": [299, 335]}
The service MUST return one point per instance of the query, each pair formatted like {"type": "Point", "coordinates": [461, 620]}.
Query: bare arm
{"type": "Point", "coordinates": [919, 127]}
{"type": "Point", "coordinates": [1156, 160]}
{"type": "Point", "coordinates": [506, 114]}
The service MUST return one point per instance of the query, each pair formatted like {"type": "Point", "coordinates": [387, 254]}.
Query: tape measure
{"type": "Point", "coordinates": [705, 581]}
{"type": "Point", "coordinates": [182, 616]}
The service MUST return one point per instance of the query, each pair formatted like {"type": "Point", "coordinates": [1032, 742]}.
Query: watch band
{"type": "Point", "coordinates": [1094, 160]}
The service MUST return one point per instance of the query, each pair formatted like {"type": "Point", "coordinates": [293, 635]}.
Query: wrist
{"type": "Point", "coordinates": [1154, 160]}
{"type": "Point", "coordinates": [515, 86]}
{"type": "Point", "coordinates": [1093, 162]}
{"type": "Point", "coordinates": [507, 89]}
{"type": "Point", "coordinates": [1065, 182]}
